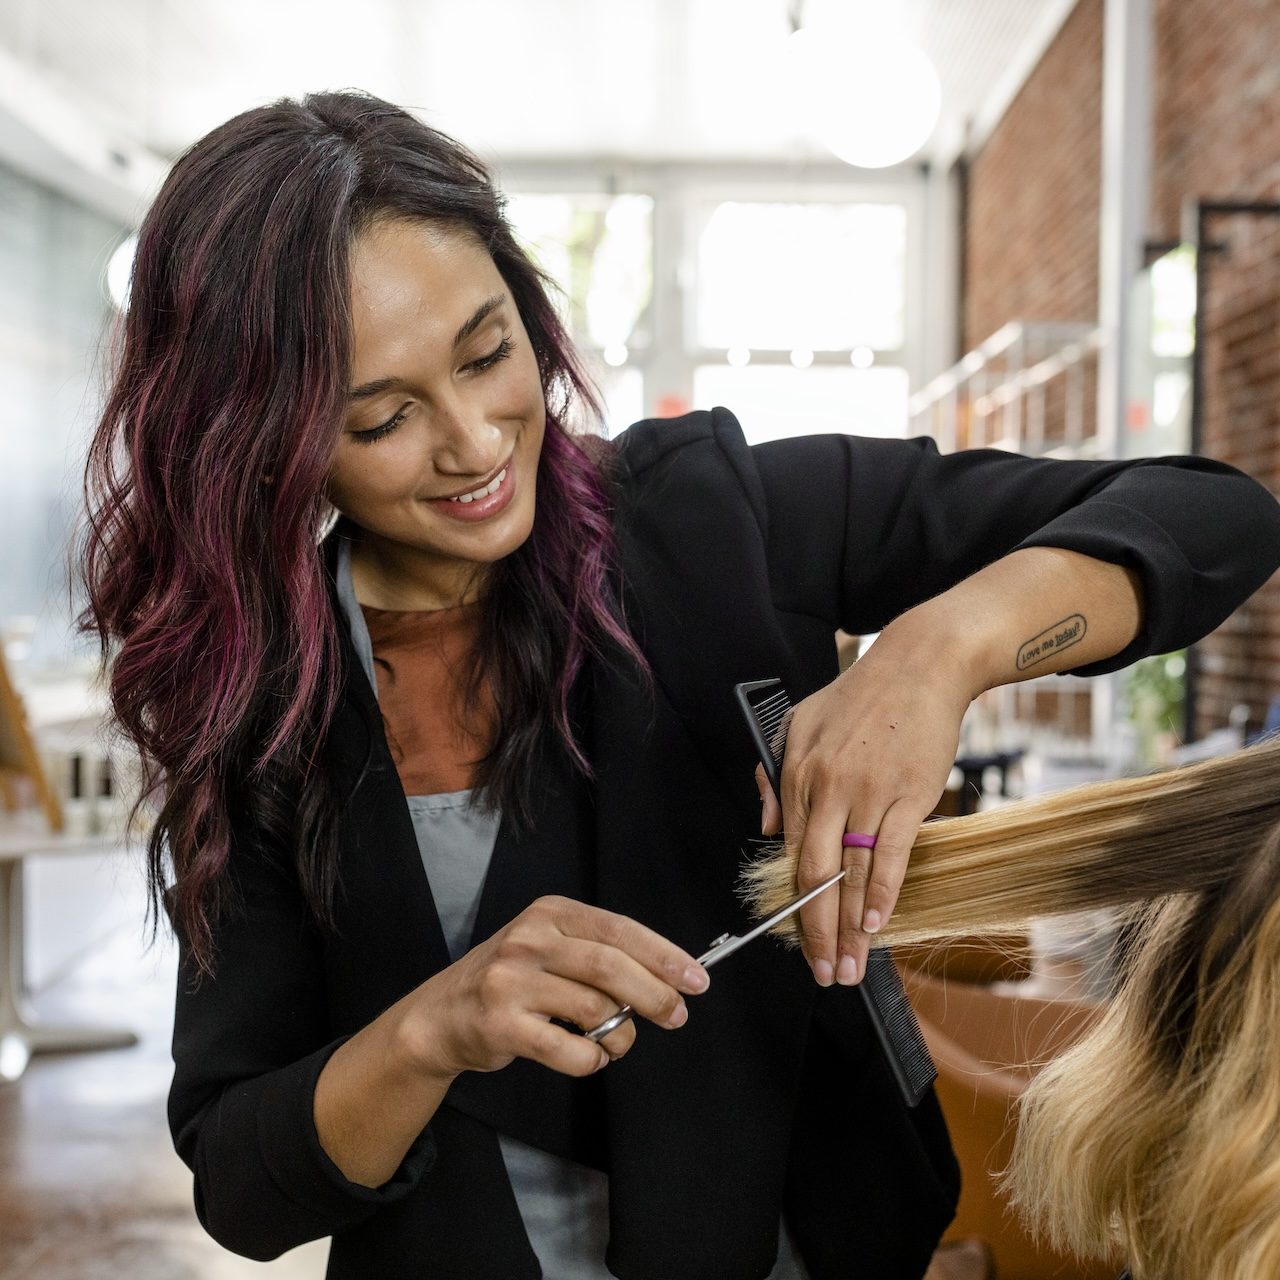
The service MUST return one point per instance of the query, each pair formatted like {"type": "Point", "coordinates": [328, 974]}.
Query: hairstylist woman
{"type": "Point", "coordinates": [380, 982]}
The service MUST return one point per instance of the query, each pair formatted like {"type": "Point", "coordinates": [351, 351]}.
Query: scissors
{"type": "Point", "coordinates": [725, 945]}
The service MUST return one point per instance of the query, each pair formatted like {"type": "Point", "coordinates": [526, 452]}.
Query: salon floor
{"type": "Point", "coordinates": [90, 1187]}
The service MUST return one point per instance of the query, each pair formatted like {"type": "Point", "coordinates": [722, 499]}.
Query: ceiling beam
{"type": "Point", "coordinates": [1008, 85]}
{"type": "Point", "coordinates": [50, 139]}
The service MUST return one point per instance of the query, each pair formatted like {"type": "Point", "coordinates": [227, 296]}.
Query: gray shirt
{"type": "Point", "coordinates": [564, 1205]}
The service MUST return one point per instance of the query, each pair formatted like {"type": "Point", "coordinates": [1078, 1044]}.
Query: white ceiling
{"type": "Point", "coordinates": [514, 79]}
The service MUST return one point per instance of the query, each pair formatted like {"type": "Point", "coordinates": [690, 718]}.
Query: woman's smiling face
{"type": "Point", "coordinates": [437, 460]}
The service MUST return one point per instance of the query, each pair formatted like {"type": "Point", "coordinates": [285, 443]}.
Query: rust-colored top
{"type": "Point", "coordinates": [435, 733]}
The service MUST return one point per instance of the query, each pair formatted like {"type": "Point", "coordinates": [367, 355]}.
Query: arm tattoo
{"type": "Point", "coordinates": [1062, 635]}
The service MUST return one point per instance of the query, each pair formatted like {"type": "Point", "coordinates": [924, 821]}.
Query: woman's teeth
{"type": "Point", "coordinates": [491, 487]}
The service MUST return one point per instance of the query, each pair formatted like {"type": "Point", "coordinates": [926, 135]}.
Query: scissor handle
{"type": "Point", "coordinates": [707, 957]}
{"type": "Point", "coordinates": [611, 1024]}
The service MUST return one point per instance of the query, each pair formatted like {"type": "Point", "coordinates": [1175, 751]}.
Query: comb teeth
{"type": "Point", "coordinates": [896, 1027]}
{"type": "Point", "coordinates": [768, 712]}
{"type": "Point", "coordinates": [774, 714]}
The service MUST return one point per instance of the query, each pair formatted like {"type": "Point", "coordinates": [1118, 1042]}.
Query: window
{"type": "Point", "coordinates": [598, 249]}
{"type": "Point", "coordinates": [823, 277]}
{"type": "Point", "coordinates": [787, 297]}
{"type": "Point", "coordinates": [772, 401]}
{"type": "Point", "coordinates": [784, 300]}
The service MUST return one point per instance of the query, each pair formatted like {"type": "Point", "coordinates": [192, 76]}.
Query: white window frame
{"type": "Point", "coordinates": [678, 189]}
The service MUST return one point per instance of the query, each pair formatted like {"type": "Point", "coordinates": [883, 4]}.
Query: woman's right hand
{"type": "Point", "coordinates": [557, 959]}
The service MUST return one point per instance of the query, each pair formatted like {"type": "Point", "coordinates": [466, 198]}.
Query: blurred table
{"type": "Point", "coordinates": [22, 835]}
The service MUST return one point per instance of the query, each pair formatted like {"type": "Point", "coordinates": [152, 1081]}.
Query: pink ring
{"type": "Point", "coordinates": [857, 840]}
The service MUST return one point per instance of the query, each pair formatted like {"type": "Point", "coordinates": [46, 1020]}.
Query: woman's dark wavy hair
{"type": "Point", "coordinates": [206, 587]}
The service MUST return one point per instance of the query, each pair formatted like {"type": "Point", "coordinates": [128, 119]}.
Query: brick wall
{"type": "Point", "coordinates": [1217, 136]}
{"type": "Point", "coordinates": [1240, 662]}
{"type": "Point", "coordinates": [1031, 244]}
{"type": "Point", "coordinates": [1034, 189]}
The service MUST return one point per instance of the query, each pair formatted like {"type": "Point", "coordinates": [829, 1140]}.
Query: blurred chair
{"type": "Point", "coordinates": [987, 1048]}
{"type": "Point", "coordinates": [980, 959]}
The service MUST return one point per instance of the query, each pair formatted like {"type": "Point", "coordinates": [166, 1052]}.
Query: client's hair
{"type": "Point", "coordinates": [1159, 1132]}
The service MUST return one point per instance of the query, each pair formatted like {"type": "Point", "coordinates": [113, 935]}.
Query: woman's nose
{"type": "Point", "coordinates": [467, 443]}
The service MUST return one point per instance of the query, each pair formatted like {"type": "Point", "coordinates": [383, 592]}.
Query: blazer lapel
{"type": "Point", "coordinates": [554, 855]}
{"type": "Point", "coordinates": [704, 623]}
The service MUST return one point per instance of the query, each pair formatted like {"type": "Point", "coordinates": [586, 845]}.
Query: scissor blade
{"type": "Point", "coordinates": [731, 944]}
{"type": "Point", "coordinates": [794, 905]}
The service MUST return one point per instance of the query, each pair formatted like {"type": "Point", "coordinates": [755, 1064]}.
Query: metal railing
{"type": "Point", "coordinates": [999, 395]}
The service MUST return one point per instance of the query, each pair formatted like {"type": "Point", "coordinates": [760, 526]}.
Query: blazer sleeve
{"type": "Point", "coordinates": [859, 530]}
{"type": "Point", "coordinates": [248, 1046]}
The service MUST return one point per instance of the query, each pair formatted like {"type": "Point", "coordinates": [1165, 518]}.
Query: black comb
{"type": "Point", "coordinates": [768, 709]}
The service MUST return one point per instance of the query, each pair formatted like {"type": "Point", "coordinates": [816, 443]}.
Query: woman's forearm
{"type": "Point", "coordinates": [375, 1096]}
{"type": "Point", "coordinates": [1034, 612]}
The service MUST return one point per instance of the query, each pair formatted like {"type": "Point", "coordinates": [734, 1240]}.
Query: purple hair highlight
{"type": "Point", "coordinates": [182, 529]}
{"type": "Point", "coordinates": [575, 565]}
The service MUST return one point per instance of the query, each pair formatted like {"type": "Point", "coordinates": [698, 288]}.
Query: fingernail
{"type": "Point", "coordinates": [604, 1060]}
{"type": "Point", "coordinates": [696, 979]}
{"type": "Point", "coordinates": [680, 1017]}
{"type": "Point", "coordinates": [871, 922]}
{"type": "Point", "coordinates": [847, 972]}
{"type": "Point", "coordinates": [822, 971]}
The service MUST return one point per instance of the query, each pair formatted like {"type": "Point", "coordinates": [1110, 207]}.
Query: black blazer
{"type": "Point", "coordinates": [739, 563]}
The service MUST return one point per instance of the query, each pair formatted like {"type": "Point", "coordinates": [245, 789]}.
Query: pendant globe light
{"type": "Point", "coordinates": [859, 85]}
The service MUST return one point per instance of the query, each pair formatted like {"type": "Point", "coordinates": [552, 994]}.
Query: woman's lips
{"type": "Point", "coordinates": [479, 508]}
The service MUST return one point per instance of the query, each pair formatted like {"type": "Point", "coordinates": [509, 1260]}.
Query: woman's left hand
{"type": "Point", "coordinates": [870, 753]}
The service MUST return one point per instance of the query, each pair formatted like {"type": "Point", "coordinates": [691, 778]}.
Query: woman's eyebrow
{"type": "Point", "coordinates": [469, 326]}
{"type": "Point", "coordinates": [478, 317]}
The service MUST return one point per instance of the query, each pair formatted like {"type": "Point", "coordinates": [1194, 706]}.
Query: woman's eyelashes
{"type": "Point", "coordinates": [376, 433]}
{"type": "Point", "coordinates": [499, 353]}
